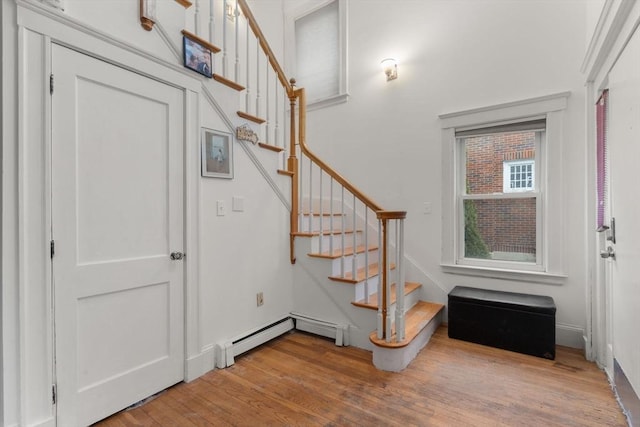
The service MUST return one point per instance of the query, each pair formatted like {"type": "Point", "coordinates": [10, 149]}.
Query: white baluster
{"type": "Point", "coordinates": [366, 254]}
{"type": "Point", "coordinates": [236, 71]}
{"type": "Point", "coordinates": [301, 191]}
{"type": "Point", "coordinates": [400, 319]}
{"type": "Point", "coordinates": [331, 216]}
{"type": "Point", "coordinates": [212, 30]}
{"type": "Point", "coordinates": [311, 193]}
{"type": "Point", "coordinates": [342, 233]}
{"type": "Point", "coordinates": [258, 80]}
{"type": "Point", "coordinates": [387, 289]}
{"type": "Point", "coordinates": [277, 130]}
{"type": "Point", "coordinates": [225, 60]}
{"type": "Point", "coordinates": [247, 93]}
{"type": "Point", "coordinates": [268, 124]}
{"type": "Point", "coordinates": [196, 17]}
{"type": "Point", "coordinates": [354, 261]}
{"type": "Point", "coordinates": [321, 211]}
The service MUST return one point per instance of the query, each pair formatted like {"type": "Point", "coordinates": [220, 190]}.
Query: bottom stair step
{"type": "Point", "coordinates": [416, 319]}
{"type": "Point", "coordinates": [421, 322]}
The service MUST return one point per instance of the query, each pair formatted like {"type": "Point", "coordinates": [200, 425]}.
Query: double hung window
{"type": "Point", "coordinates": [503, 191]}
{"type": "Point", "coordinates": [498, 193]}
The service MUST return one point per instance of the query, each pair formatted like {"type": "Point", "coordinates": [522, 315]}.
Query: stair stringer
{"type": "Point", "coordinates": [226, 103]}
{"type": "Point", "coordinates": [317, 296]}
{"type": "Point", "coordinates": [281, 185]}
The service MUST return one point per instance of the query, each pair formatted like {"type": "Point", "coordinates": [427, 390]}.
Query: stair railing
{"type": "Point", "coordinates": [348, 224]}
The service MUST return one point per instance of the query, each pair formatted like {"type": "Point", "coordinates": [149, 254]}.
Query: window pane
{"type": "Point", "coordinates": [318, 52]}
{"type": "Point", "coordinates": [486, 155]}
{"type": "Point", "coordinates": [502, 229]}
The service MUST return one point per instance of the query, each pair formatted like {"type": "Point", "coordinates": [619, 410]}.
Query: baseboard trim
{"type": "Point", "coordinates": [322, 328]}
{"type": "Point", "coordinates": [627, 397]}
{"type": "Point", "coordinates": [200, 364]}
{"type": "Point", "coordinates": [228, 350]}
{"type": "Point", "coordinates": [570, 336]}
{"type": "Point", "coordinates": [49, 422]}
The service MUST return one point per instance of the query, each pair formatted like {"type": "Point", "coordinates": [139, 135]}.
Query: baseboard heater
{"type": "Point", "coordinates": [227, 351]}
{"type": "Point", "coordinates": [322, 328]}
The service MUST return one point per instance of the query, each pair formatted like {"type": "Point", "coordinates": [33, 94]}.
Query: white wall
{"type": "Point", "coordinates": [229, 258]}
{"type": "Point", "coordinates": [453, 56]}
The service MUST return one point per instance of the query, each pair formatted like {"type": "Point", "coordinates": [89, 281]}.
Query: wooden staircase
{"type": "Point", "coordinates": [350, 264]}
{"type": "Point", "coordinates": [422, 317]}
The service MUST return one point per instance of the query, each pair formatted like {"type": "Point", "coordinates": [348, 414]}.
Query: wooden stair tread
{"type": "Point", "coordinates": [213, 48]}
{"type": "Point", "coordinates": [373, 298]}
{"type": "Point", "coordinates": [314, 213]}
{"type": "Point", "coordinates": [250, 117]}
{"type": "Point", "coordinates": [285, 172]}
{"type": "Point", "coordinates": [416, 319]}
{"type": "Point", "coordinates": [225, 81]}
{"type": "Point", "coordinates": [185, 3]}
{"type": "Point", "coordinates": [371, 271]}
{"type": "Point", "coordinates": [270, 147]}
{"type": "Point", "coordinates": [337, 253]}
{"type": "Point", "coordinates": [324, 232]}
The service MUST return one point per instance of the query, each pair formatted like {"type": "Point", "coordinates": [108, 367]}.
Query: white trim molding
{"type": "Point", "coordinates": [551, 267]}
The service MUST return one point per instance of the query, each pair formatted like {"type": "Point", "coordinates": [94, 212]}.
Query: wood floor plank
{"type": "Point", "coordinates": [300, 379]}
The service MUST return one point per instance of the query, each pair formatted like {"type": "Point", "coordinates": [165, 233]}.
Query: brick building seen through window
{"type": "Point", "coordinates": [501, 163]}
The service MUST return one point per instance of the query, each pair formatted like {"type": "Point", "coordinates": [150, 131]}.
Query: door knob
{"type": "Point", "coordinates": [609, 253]}
{"type": "Point", "coordinates": [177, 256]}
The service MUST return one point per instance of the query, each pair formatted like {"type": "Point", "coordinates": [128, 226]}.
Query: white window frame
{"type": "Point", "coordinates": [537, 193]}
{"type": "Point", "coordinates": [506, 175]}
{"type": "Point", "coordinates": [302, 9]}
{"type": "Point", "coordinates": [551, 258]}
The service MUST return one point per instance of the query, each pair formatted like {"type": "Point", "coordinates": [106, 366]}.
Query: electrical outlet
{"type": "Point", "coordinates": [259, 299]}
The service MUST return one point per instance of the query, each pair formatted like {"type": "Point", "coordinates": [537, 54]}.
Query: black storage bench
{"type": "Point", "coordinates": [511, 321]}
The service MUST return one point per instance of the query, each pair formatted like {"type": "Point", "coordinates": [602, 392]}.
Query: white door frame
{"type": "Point", "coordinates": [26, 260]}
{"type": "Point", "coordinates": [615, 27]}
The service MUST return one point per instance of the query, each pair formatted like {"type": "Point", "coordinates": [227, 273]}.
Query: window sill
{"type": "Point", "coordinates": [498, 273]}
{"type": "Point", "coordinates": [327, 102]}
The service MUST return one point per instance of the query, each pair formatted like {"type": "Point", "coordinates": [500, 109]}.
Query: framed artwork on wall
{"type": "Point", "coordinates": [216, 154]}
{"type": "Point", "coordinates": [196, 55]}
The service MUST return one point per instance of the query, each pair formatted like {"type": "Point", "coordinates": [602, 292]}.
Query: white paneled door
{"type": "Point", "coordinates": [117, 216]}
{"type": "Point", "coordinates": [624, 147]}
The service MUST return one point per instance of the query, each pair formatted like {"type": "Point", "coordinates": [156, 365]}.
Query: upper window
{"type": "Point", "coordinates": [518, 176]}
{"type": "Point", "coordinates": [502, 205]}
{"type": "Point", "coordinates": [320, 53]}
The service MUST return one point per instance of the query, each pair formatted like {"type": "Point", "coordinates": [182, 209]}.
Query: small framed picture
{"type": "Point", "coordinates": [217, 154]}
{"type": "Point", "coordinates": [197, 56]}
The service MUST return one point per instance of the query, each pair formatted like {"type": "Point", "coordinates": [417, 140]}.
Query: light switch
{"type": "Point", "coordinates": [222, 210]}
{"type": "Point", "coordinates": [237, 204]}
{"type": "Point", "coordinates": [426, 208]}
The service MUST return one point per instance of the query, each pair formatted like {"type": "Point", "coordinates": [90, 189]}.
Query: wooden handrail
{"type": "Point", "coordinates": [265, 46]}
{"type": "Point", "coordinates": [391, 214]}
{"type": "Point", "coordinates": [328, 169]}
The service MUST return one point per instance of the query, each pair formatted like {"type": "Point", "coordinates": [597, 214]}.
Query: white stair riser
{"type": "Point", "coordinates": [360, 288]}
{"type": "Point", "coordinates": [326, 240]}
{"type": "Point", "coordinates": [336, 264]}
{"type": "Point", "coordinates": [311, 223]}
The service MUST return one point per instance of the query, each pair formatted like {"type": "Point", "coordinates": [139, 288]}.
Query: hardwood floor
{"type": "Point", "coordinates": [300, 379]}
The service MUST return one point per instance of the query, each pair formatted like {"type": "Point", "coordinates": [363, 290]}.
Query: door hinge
{"type": "Point", "coordinates": [53, 248]}
{"type": "Point", "coordinates": [51, 84]}
{"type": "Point", "coordinates": [54, 394]}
